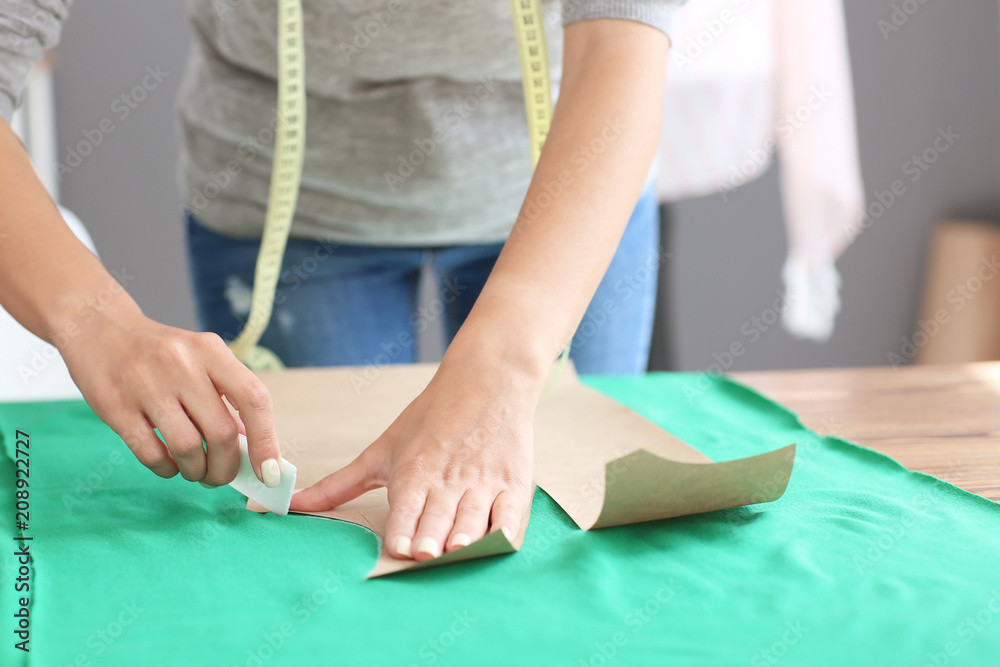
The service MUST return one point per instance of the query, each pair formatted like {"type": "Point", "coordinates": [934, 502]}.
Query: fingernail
{"type": "Point", "coordinates": [208, 486]}
{"type": "Point", "coordinates": [461, 540]}
{"type": "Point", "coordinates": [429, 545]}
{"type": "Point", "coordinates": [271, 473]}
{"type": "Point", "coordinates": [507, 533]}
{"type": "Point", "coordinates": [403, 547]}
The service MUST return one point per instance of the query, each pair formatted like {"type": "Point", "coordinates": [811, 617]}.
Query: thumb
{"type": "Point", "coordinates": [346, 484]}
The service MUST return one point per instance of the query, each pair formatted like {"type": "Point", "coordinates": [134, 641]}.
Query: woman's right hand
{"type": "Point", "coordinates": [137, 374]}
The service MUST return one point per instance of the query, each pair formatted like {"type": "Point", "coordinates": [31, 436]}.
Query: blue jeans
{"type": "Point", "coordinates": [339, 305]}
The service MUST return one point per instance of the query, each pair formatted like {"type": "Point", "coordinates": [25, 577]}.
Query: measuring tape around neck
{"type": "Point", "coordinates": [529, 28]}
{"type": "Point", "coordinates": [289, 146]}
{"type": "Point", "coordinates": [286, 172]}
{"type": "Point", "coordinates": [534, 56]}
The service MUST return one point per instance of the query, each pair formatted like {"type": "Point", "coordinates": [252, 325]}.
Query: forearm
{"type": "Point", "coordinates": [600, 146]}
{"type": "Point", "coordinates": [49, 280]}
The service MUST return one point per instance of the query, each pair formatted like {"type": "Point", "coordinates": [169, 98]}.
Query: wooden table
{"type": "Point", "coordinates": [942, 420]}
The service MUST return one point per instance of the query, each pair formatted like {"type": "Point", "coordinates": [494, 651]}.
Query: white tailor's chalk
{"type": "Point", "coordinates": [275, 499]}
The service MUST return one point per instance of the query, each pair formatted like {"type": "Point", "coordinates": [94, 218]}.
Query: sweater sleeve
{"type": "Point", "coordinates": [656, 13]}
{"type": "Point", "coordinates": [28, 28]}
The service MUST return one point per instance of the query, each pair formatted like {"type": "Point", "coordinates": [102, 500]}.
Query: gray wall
{"type": "Point", "coordinates": [124, 191]}
{"type": "Point", "coordinates": [942, 68]}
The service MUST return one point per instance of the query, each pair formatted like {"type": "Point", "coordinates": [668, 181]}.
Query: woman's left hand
{"type": "Point", "coordinates": [457, 462]}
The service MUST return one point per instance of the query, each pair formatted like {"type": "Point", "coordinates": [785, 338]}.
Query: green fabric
{"type": "Point", "coordinates": [860, 563]}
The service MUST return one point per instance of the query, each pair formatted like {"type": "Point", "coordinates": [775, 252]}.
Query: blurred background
{"type": "Point", "coordinates": [939, 68]}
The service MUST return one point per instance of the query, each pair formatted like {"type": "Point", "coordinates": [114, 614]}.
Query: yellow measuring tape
{"type": "Point", "coordinates": [289, 146]}
{"type": "Point", "coordinates": [529, 27]}
{"type": "Point", "coordinates": [286, 172]}
{"type": "Point", "coordinates": [534, 55]}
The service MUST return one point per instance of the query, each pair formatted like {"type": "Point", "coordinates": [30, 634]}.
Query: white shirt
{"type": "Point", "coordinates": [747, 78]}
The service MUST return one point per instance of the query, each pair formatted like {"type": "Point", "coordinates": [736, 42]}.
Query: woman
{"type": "Point", "coordinates": [417, 155]}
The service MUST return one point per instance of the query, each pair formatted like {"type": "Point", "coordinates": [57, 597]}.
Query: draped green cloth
{"type": "Point", "coordinates": [860, 563]}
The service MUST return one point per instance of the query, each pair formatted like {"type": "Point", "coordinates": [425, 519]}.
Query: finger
{"type": "Point", "coordinates": [183, 442]}
{"type": "Point", "coordinates": [253, 401]}
{"type": "Point", "coordinates": [436, 522]}
{"type": "Point", "coordinates": [147, 448]}
{"type": "Point", "coordinates": [220, 432]}
{"type": "Point", "coordinates": [234, 413]}
{"type": "Point", "coordinates": [405, 507]}
{"type": "Point", "coordinates": [471, 519]}
{"type": "Point", "coordinates": [336, 489]}
{"type": "Point", "coordinates": [509, 514]}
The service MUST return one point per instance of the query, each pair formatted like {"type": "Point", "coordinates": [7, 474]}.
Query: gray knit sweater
{"type": "Point", "coordinates": [416, 131]}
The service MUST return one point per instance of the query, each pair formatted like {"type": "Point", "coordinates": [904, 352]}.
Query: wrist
{"type": "Point", "coordinates": [518, 359]}
{"type": "Point", "coordinates": [90, 312]}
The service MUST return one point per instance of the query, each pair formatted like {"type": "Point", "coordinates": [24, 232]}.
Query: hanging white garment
{"type": "Point", "coordinates": [751, 77]}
